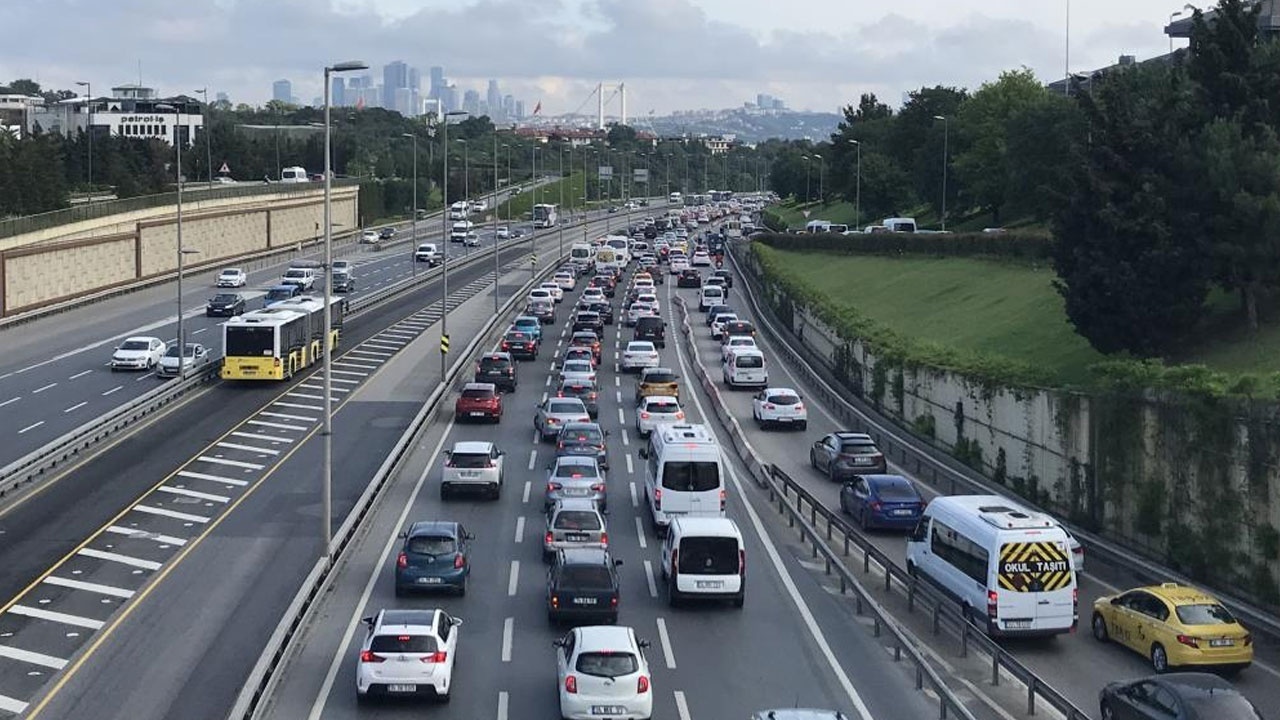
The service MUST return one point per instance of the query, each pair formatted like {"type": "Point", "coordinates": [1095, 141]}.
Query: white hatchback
{"type": "Point", "coordinates": [639, 354]}
{"type": "Point", "coordinates": [541, 294]}
{"type": "Point", "coordinates": [593, 295]}
{"type": "Point", "coordinates": [734, 343]}
{"type": "Point", "coordinates": [602, 672]}
{"type": "Point", "coordinates": [779, 406]}
{"type": "Point", "coordinates": [717, 325]}
{"type": "Point", "coordinates": [407, 653]}
{"type": "Point", "coordinates": [657, 410]}
{"type": "Point", "coordinates": [565, 281]}
{"type": "Point", "coordinates": [700, 258]}
{"type": "Point", "coordinates": [474, 465]}
{"type": "Point", "coordinates": [557, 293]}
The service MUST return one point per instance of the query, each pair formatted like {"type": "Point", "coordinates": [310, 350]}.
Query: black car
{"type": "Point", "coordinates": [520, 344]}
{"type": "Point", "coordinates": [498, 368]}
{"type": "Point", "coordinates": [386, 233]}
{"type": "Point", "coordinates": [843, 455]}
{"type": "Point", "coordinates": [225, 304]}
{"type": "Point", "coordinates": [604, 309]}
{"type": "Point", "coordinates": [583, 585]}
{"type": "Point", "coordinates": [728, 276]}
{"type": "Point", "coordinates": [652, 329]}
{"type": "Point", "coordinates": [689, 279]}
{"type": "Point", "coordinates": [343, 282]}
{"type": "Point", "coordinates": [579, 438]}
{"type": "Point", "coordinates": [1176, 696]}
{"type": "Point", "coordinates": [583, 390]}
{"type": "Point", "coordinates": [739, 327]}
{"type": "Point", "coordinates": [716, 310]}
{"type": "Point", "coordinates": [588, 320]}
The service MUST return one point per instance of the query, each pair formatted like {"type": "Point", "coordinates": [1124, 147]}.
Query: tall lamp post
{"type": "Point", "coordinates": [857, 184]}
{"type": "Point", "coordinates": [533, 231]}
{"type": "Point", "coordinates": [413, 258]}
{"type": "Point", "coordinates": [822, 164]}
{"type": "Point", "coordinates": [807, 164]}
{"type": "Point", "coordinates": [496, 243]}
{"type": "Point", "coordinates": [88, 89]}
{"type": "Point", "coordinates": [178, 125]}
{"type": "Point", "coordinates": [326, 493]}
{"type": "Point", "coordinates": [509, 184]}
{"type": "Point", "coordinates": [208, 143]}
{"type": "Point", "coordinates": [946, 141]}
{"type": "Point", "coordinates": [444, 215]}
{"type": "Point", "coordinates": [560, 225]}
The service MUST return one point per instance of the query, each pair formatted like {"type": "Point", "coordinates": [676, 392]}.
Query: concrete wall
{"type": "Point", "coordinates": [39, 274]}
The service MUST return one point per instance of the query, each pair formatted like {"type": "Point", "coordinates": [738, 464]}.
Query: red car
{"type": "Point", "coordinates": [478, 401]}
{"type": "Point", "coordinates": [589, 340]}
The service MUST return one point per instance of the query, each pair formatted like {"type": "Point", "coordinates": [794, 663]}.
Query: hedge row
{"type": "Point", "coordinates": [1021, 246]}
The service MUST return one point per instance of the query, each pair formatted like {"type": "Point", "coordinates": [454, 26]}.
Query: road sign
{"type": "Point", "coordinates": [605, 172]}
{"type": "Point", "coordinates": [224, 170]}
{"type": "Point", "coordinates": [444, 344]}
{"type": "Point", "coordinates": [533, 259]}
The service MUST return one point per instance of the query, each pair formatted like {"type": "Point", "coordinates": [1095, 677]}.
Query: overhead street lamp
{"type": "Point", "coordinates": [821, 166]}
{"type": "Point", "coordinates": [179, 124]}
{"type": "Point", "coordinates": [88, 89]}
{"type": "Point", "coordinates": [413, 258]}
{"type": "Point", "coordinates": [857, 185]}
{"type": "Point", "coordinates": [496, 275]}
{"type": "Point", "coordinates": [560, 225]}
{"type": "Point", "coordinates": [208, 142]}
{"type": "Point", "coordinates": [444, 261]}
{"type": "Point", "coordinates": [326, 492]}
{"type": "Point", "coordinates": [946, 141]}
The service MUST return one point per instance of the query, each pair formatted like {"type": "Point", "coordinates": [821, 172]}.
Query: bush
{"type": "Point", "coordinates": [1016, 245]}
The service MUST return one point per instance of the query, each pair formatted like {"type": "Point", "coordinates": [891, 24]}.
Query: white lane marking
{"type": "Point", "coordinates": [508, 632]}
{"type": "Point", "coordinates": [626, 438]}
{"type": "Point", "coordinates": [635, 501]}
{"type": "Point", "coordinates": [122, 559]}
{"type": "Point", "coordinates": [51, 616]}
{"type": "Point", "coordinates": [260, 436]}
{"type": "Point", "coordinates": [194, 494]}
{"type": "Point", "coordinates": [513, 581]}
{"type": "Point", "coordinates": [344, 381]}
{"type": "Point", "coordinates": [630, 468]}
{"type": "Point", "coordinates": [648, 577]}
{"type": "Point", "coordinates": [520, 529]}
{"type": "Point", "coordinates": [503, 702]}
{"type": "Point", "coordinates": [793, 592]}
{"type": "Point", "coordinates": [619, 393]}
{"type": "Point", "coordinates": [682, 706]}
{"type": "Point", "coordinates": [617, 382]}
{"type": "Point", "coordinates": [17, 707]}
{"type": "Point", "coordinates": [165, 512]}
{"type": "Point", "coordinates": [212, 478]}
{"type": "Point", "coordinates": [41, 389]}
{"type": "Point", "coordinates": [350, 372]}
{"type": "Point", "coordinates": [354, 624]}
{"type": "Point", "coordinates": [30, 427]}
{"type": "Point", "coordinates": [249, 448]}
{"type": "Point", "coordinates": [285, 416]}
{"type": "Point", "coordinates": [640, 533]}
{"type": "Point", "coordinates": [528, 486]}
{"type": "Point", "coordinates": [298, 406]}
{"type": "Point", "coordinates": [382, 346]}
{"type": "Point", "coordinates": [622, 419]}
{"type": "Point", "coordinates": [80, 374]}
{"type": "Point", "coordinates": [11, 401]}
{"type": "Point", "coordinates": [197, 332]}
{"type": "Point", "coordinates": [145, 535]}
{"type": "Point", "coordinates": [548, 382]}
{"type": "Point", "coordinates": [306, 396]}
{"type": "Point", "coordinates": [533, 458]}
{"type": "Point", "coordinates": [33, 658]}
{"type": "Point", "coordinates": [232, 463]}
{"type": "Point", "coordinates": [361, 366]}
{"type": "Point", "coordinates": [309, 386]}
{"type": "Point", "coordinates": [75, 407]}
{"type": "Point", "coordinates": [88, 587]}
{"type": "Point", "coordinates": [374, 353]}
{"type": "Point", "coordinates": [665, 639]}
{"type": "Point", "coordinates": [144, 377]}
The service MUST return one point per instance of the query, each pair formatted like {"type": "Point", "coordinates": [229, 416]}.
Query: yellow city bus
{"type": "Point", "coordinates": [276, 342]}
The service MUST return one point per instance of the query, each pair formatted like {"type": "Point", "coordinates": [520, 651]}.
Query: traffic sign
{"type": "Point", "coordinates": [533, 259]}
{"type": "Point", "coordinates": [224, 170]}
{"type": "Point", "coordinates": [444, 344]}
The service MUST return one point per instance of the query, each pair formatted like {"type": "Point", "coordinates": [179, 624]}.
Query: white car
{"type": "Point", "coordinates": [656, 410]}
{"type": "Point", "coordinates": [736, 342]}
{"type": "Point", "coordinates": [541, 294]}
{"type": "Point", "coordinates": [471, 240]}
{"type": "Point", "coordinates": [717, 325]}
{"type": "Point", "coordinates": [651, 299]}
{"type": "Point", "coordinates": [601, 671]}
{"type": "Point", "coordinates": [473, 465]}
{"type": "Point", "coordinates": [593, 295]}
{"type": "Point", "coordinates": [232, 278]}
{"type": "Point", "coordinates": [369, 236]}
{"type": "Point", "coordinates": [407, 653]}
{"type": "Point", "coordinates": [138, 353]}
{"type": "Point", "coordinates": [557, 293]}
{"type": "Point", "coordinates": [503, 232]}
{"type": "Point", "coordinates": [577, 370]}
{"type": "Point", "coordinates": [700, 258]}
{"type": "Point", "coordinates": [639, 310]}
{"type": "Point", "coordinates": [196, 356]}
{"type": "Point", "coordinates": [779, 406]}
{"type": "Point", "coordinates": [639, 354]}
{"type": "Point", "coordinates": [565, 281]}
{"type": "Point", "coordinates": [679, 263]}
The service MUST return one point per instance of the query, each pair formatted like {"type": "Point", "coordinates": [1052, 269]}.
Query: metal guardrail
{"type": "Point", "coordinates": [765, 475]}
{"type": "Point", "coordinates": [264, 676]}
{"type": "Point", "coordinates": [949, 475]}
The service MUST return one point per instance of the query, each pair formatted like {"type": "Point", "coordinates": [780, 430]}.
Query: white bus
{"type": "Point", "coordinates": [675, 198]}
{"type": "Point", "coordinates": [544, 216]}
{"type": "Point", "coordinates": [684, 475]}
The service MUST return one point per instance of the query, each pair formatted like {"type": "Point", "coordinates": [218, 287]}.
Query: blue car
{"type": "Point", "coordinates": [435, 556]}
{"type": "Point", "coordinates": [528, 324]}
{"type": "Point", "coordinates": [882, 501]}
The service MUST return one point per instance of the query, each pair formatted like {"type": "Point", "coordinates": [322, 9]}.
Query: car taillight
{"type": "Point", "coordinates": [591, 396]}
{"type": "Point", "coordinates": [506, 345]}
{"type": "Point", "coordinates": [613, 601]}
{"type": "Point", "coordinates": [722, 498]}
{"type": "Point", "coordinates": [367, 656]}
{"type": "Point", "coordinates": [680, 415]}
{"type": "Point", "coordinates": [571, 684]}
{"type": "Point", "coordinates": [597, 487]}
{"type": "Point", "coordinates": [604, 538]}
{"type": "Point", "coordinates": [555, 601]}
{"type": "Point", "coordinates": [551, 421]}
{"type": "Point", "coordinates": [799, 406]}
{"type": "Point", "coordinates": [549, 538]}
{"type": "Point", "coordinates": [993, 603]}
{"type": "Point", "coordinates": [435, 657]}
{"type": "Point", "coordinates": [1189, 641]}
{"type": "Point", "coordinates": [657, 500]}
{"type": "Point", "coordinates": [770, 406]}
{"type": "Point", "coordinates": [644, 416]}
{"type": "Point", "coordinates": [459, 561]}
{"type": "Point", "coordinates": [642, 685]}
{"type": "Point", "coordinates": [742, 561]}
{"type": "Point", "coordinates": [876, 506]}
{"type": "Point", "coordinates": [402, 560]}
{"type": "Point", "coordinates": [553, 486]}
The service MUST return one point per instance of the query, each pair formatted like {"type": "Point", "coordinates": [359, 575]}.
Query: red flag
{"type": "Point", "coordinates": [537, 108]}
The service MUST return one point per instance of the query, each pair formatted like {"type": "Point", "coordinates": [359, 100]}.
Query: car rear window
{"type": "Point", "coordinates": [577, 366]}
{"type": "Point", "coordinates": [403, 644]}
{"type": "Point", "coordinates": [577, 520]}
{"type": "Point", "coordinates": [493, 363]}
{"type": "Point", "coordinates": [586, 577]}
{"type": "Point", "coordinates": [477, 393]}
{"type": "Point", "coordinates": [691, 475]}
{"type": "Point", "coordinates": [857, 447]}
{"type": "Point", "coordinates": [664, 406]}
{"type": "Point", "coordinates": [660, 377]}
{"type": "Point", "coordinates": [1204, 614]}
{"type": "Point", "coordinates": [750, 361]}
{"type": "Point", "coordinates": [576, 471]}
{"type": "Point", "coordinates": [565, 407]}
{"type": "Point", "coordinates": [607, 664]}
{"type": "Point", "coordinates": [784, 398]}
{"type": "Point", "coordinates": [1220, 704]}
{"type": "Point", "coordinates": [581, 436]}
{"type": "Point", "coordinates": [469, 460]}
{"type": "Point", "coordinates": [708, 556]}
{"type": "Point", "coordinates": [896, 491]}
{"type": "Point", "coordinates": [431, 545]}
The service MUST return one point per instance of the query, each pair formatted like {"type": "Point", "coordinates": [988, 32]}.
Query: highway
{"type": "Point", "coordinates": [793, 642]}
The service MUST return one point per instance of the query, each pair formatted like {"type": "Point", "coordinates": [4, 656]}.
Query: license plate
{"type": "Point", "coordinates": [584, 601]}
{"type": "Point", "coordinates": [1017, 624]}
{"type": "Point", "coordinates": [430, 581]}
{"type": "Point", "coordinates": [902, 512]}
{"type": "Point", "coordinates": [468, 474]}
{"type": "Point", "coordinates": [576, 537]}
{"type": "Point", "coordinates": [477, 414]}
{"type": "Point", "coordinates": [608, 710]}
{"type": "Point", "coordinates": [576, 492]}
{"type": "Point", "coordinates": [1221, 642]}
{"type": "Point", "coordinates": [708, 584]}
{"type": "Point", "coordinates": [402, 688]}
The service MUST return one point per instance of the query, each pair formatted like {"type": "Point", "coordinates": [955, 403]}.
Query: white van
{"type": "Point", "coordinates": [745, 368]}
{"type": "Point", "coordinates": [460, 231]}
{"type": "Point", "coordinates": [704, 558]}
{"type": "Point", "coordinates": [711, 296]}
{"type": "Point", "coordinates": [303, 277]}
{"type": "Point", "coordinates": [582, 253]}
{"type": "Point", "coordinates": [294, 175]}
{"type": "Point", "coordinates": [427, 253]}
{"type": "Point", "coordinates": [684, 475]}
{"type": "Point", "coordinates": [1010, 568]}
{"type": "Point", "coordinates": [458, 210]}
{"type": "Point", "coordinates": [621, 245]}
{"type": "Point", "coordinates": [899, 224]}
{"type": "Point", "coordinates": [817, 226]}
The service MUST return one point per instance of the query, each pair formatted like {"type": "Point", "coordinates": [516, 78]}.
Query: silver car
{"type": "Point", "coordinates": [555, 412]}
{"type": "Point", "coordinates": [575, 477]}
{"type": "Point", "coordinates": [577, 370]}
{"type": "Point", "coordinates": [574, 523]}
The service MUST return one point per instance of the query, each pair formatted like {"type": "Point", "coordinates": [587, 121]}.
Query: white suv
{"type": "Point", "coordinates": [474, 465]}
{"type": "Point", "coordinates": [602, 672]}
{"type": "Point", "coordinates": [408, 652]}
{"type": "Point", "coordinates": [779, 406]}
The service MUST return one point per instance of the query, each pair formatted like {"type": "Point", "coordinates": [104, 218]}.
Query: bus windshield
{"type": "Point", "coordinates": [250, 342]}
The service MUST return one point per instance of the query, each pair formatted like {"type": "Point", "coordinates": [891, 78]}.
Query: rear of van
{"type": "Point", "coordinates": [704, 558]}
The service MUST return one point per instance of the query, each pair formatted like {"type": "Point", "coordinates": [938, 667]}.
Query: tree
{"type": "Point", "coordinates": [1041, 141]}
{"type": "Point", "coordinates": [1132, 267]}
{"type": "Point", "coordinates": [1221, 61]}
{"type": "Point", "coordinates": [886, 187]}
{"type": "Point", "coordinates": [869, 108]}
{"type": "Point", "coordinates": [25, 87]}
{"type": "Point", "coordinates": [983, 165]}
{"type": "Point", "coordinates": [916, 141]}
{"type": "Point", "coordinates": [621, 137]}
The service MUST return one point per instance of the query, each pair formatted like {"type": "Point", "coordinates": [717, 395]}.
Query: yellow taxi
{"type": "Point", "coordinates": [1174, 626]}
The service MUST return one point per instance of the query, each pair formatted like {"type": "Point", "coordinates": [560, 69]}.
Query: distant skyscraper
{"type": "Point", "coordinates": [519, 109]}
{"type": "Point", "coordinates": [338, 91]}
{"type": "Point", "coordinates": [508, 108]}
{"type": "Point", "coordinates": [282, 90]}
{"type": "Point", "coordinates": [493, 98]}
{"type": "Point", "coordinates": [449, 97]}
{"type": "Point", "coordinates": [436, 91]}
{"type": "Point", "coordinates": [395, 77]}
{"type": "Point", "coordinates": [471, 102]}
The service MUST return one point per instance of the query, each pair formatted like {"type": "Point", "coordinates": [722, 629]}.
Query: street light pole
{"type": "Point", "coordinates": [413, 232]}
{"type": "Point", "coordinates": [445, 242]}
{"type": "Point", "coordinates": [208, 143]}
{"type": "Point", "coordinates": [178, 125]}
{"type": "Point", "coordinates": [496, 241]}
{"type": "Point", "coordinates": [946, 142]}
{"type": "Point", "coordinates": [822, 164]}
{"type": "Point", "coordinates": [88, 88]}
{"type": "Point", "coordinates": [857, 185]}
{"type": "Point", "coordinates": [533, 231]}
{"type": "Point", "coordinates": [807, 165]}
{"type": "Point", "coordinates": [326, 492]}
{"type": "Point", "coordinates": [560, 225]}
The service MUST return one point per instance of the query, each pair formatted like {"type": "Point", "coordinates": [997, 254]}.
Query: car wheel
{"type": "Point", "coordinates": [813, 460]}
{"type": "Point", "coordinates": [1100, 628]}
{"type": "Point", "coordinates": [1107, 712]}
{"type": "Point", "coordinates": [1159, 659]}
{"type": "Point", "coordinates": [673, 595]}
{"type": "Point", "coordinates": [740, 600]}
{"type": "Point", "coordinates": [462, 591]}
{"type": "Point", "coordinates": [444, 492]}
{"type": "Point", "coordinates": [802, 425]}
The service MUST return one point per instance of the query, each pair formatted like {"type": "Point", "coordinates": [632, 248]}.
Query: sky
{"type": "Point", "coordinates": [671, 54]}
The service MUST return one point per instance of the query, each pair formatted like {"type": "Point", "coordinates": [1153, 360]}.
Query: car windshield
{"type": "Point", "coordinates": [640, 347]}
{"type": "Point", "coordinates": [1205, 614]}
{"type": "Point", "coordinates": [783, 398]}
{"type": "Point", "coordinates": [565, 407]}
{"type": "Point", "coordinates": [431, 545]}
{"type": "Point", "coordinates": [607, 664]}
{"type": "Point", "coordinates": [230, 273]}
{"type": "Point", "coordinates": [581, 436]}
{"type": "Point", "coordinates": [896, 491]}
{"type": "Point", "coordinates": [469, 460]}
{"type": "Point", "coordinates": [691, 475]}
{"type": "Point", "coordinates": [708, 555]}
{"type": "Point", "coordinates": [173, 351]}
{"type": "Point", "coordinates": [586, 577]}
{"type": "Point", "coordinates": [518, 337]}
{"type": "Point", "coordinates": [135, 345]}
{"type": "Point", "coordinates": [577, 520]}
{"type": "Point", "coordinates": [394, 644]}
{"type": "Point", "coordinates": [477, 393]}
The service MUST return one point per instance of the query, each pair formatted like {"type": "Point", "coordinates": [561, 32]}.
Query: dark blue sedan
{"type": "Point", "coordinates": [434, 557]}
{"type": "Point", "coordinates": [882, 501]}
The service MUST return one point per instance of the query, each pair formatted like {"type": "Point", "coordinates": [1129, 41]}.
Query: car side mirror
{"type": "Point", "coordinates": [367, 621]}
{"type": "Point", "coordinates": [644, 453]}
{"type": "Point", "coordinates": [469, 536]}
{"type": "Point", "coordinates": [501, 453]}
{"type": "Point", "coordinates": [403, 535]}
{"type": "Point", "coordinates": [558, 642]}
{"type": "Point", "coordinates": [457, 622]}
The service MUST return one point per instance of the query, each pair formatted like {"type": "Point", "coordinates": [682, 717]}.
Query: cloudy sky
{"type": "Point", "coordinates": [672, 54]}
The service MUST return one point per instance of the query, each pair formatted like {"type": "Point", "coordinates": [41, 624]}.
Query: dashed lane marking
{"type": "Point", "coordinates": [231, 463]}
{"type": "Point", "coordinates": [284, 416]}
{"type": "Point", "coordinates": [520, 529]}
{"type": "Point", "coordinates": [145, 535]}
{"type": "Point", "coordinates": [165, 512]}
{"type": "Point", "coordinates": [33, 658]}
{"type": "Point", "coordinates": [260, 436]}
{"type": "Point", "coordinates": [667, 654]}
{"type": "Point", "coordinates": [51, 616]}
{"type": "Point", "coordinates": [298, 406]}
{"type": "Point", "coordinates": [212, 478]}
{"type": "Point", "coordinates": [89, 587]}
{"type": "Point", "coordinates": [118, 558]}
{"type": "Point", "coordinates": [194, 494]}
{"type": "Point", "coordinates": [648, 577]}
{"type": "Point", "coordinates": [248, 448]}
